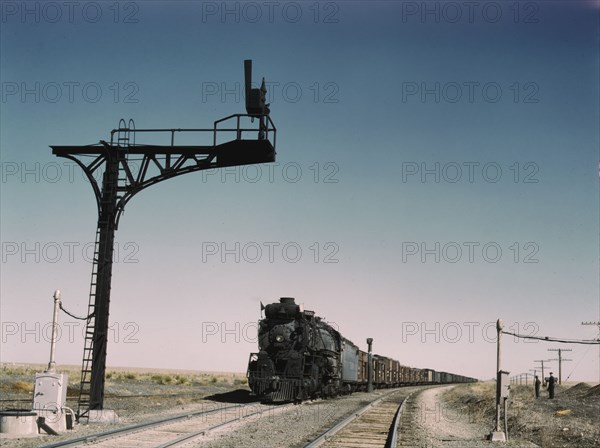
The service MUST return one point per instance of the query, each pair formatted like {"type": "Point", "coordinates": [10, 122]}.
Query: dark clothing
{"type": "Point", "coordinates": [551, 383]}
{"type": "Point", "coordinates": [538, 383]}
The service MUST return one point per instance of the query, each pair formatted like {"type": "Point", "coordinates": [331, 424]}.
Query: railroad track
{"type": "Point", "coordinates": [375, 425]}
{"type": "Point", "coordinates": [406, 424]}
{"type": "Point", "coordinates": [107, 395]}
{"type": "Point", "coordinates": [173, 431]}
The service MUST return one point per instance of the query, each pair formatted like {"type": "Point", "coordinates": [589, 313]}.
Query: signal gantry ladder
{"type": "Point", "coordinates": [102, 253]}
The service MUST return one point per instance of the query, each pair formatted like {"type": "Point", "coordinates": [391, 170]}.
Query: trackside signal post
{"type": "Point", "coordinates": [127, 168]}
{"type": "Point", "coordinates": [370, 369]}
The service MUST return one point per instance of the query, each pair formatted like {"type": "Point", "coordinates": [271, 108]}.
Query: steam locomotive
{"type": "Point", "coordinates": [301, 356]}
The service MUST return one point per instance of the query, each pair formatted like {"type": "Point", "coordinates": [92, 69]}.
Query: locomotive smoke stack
{"type": "Point", "coordinates": [287, 300]}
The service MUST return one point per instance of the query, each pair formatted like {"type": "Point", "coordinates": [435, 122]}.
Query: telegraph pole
{"type": "Point", "coordinates": [502, 387]}
{"type": "Point", "coordinates": [591, 323]}
{"type": "Point", "coordinates": [597, 324]}
{"type": "Point", "coordinates": [543, 361]}
{"type": "Point", "coordinates": [560, 360]}
{"type": "Point", "coordinates": [499, 325]}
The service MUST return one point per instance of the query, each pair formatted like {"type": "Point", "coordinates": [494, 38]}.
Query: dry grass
{"type": "Point", "coordinates": [162, 379]}
{"type": "Point", "coordinates": [8, 370]}
{"type": "Point", "coordinates": [179, 379]}
{"type": "Point", "coordinates": [474, 399]}
{"type": "Point", "coordinates": [570, 420]}
{"type": "Point", "coordinates": [22, 387]}
{"type": "Point", "coordinates": [18, 378]}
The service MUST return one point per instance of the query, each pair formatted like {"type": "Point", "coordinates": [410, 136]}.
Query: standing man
{"type": "Point", "coordinates": [537, 384]}
{"type": "Point", "coordinates": [551, 383]}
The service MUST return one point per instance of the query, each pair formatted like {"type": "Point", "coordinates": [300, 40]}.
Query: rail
{"type": "Point", "coordinates": [396, 422]}
{"type": "Point", "coordinates": [179, 439]}
{"type": "Point", "coordinates": [131, 429]}
{"type": "Point", "coordinates": [322, 438]}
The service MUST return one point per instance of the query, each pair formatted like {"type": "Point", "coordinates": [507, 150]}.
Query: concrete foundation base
{"type": "Point", "coordinates": [23, 423]}
{"type": "Point", "coordinates": [497, 436]}
{"type": "Point", "coordinates": [18, 423]}
{"type": "Point", "coordinates": [103, 416]}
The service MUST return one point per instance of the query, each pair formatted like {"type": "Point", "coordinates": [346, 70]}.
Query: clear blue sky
{"type": "Point", "coordinates": [407, 137]}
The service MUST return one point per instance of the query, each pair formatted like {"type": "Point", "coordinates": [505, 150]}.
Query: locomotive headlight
{"type": "Point", "coordinates": [279, 338]}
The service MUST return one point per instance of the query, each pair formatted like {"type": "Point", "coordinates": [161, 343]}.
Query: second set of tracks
{"type": "Point", "coordinates": [176, 431]}
{"type": "Point", "coordinates": [384, 422]}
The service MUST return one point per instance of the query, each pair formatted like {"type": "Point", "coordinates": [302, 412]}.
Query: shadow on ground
{"type": "Point", "coordinates": [234, 396]}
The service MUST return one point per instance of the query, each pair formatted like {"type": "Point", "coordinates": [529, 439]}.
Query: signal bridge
{"type": "Point", "coordinates": [128, 167]}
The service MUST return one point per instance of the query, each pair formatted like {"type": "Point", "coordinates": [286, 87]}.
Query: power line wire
{"type": "Point", "coordinates": [551, 339]}
{"type": "Point", "coordinates": [579, 362]}
{"type": "Point", "coordinates": [73, 316]}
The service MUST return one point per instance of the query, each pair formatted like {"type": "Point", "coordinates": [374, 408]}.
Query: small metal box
{"type": "Point", "coordinates": [504, 383]}
{"type": "Point", "coordinates": [50, 391]}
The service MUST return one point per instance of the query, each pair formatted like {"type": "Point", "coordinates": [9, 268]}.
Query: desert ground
{"type": "Point", "coordinates": [571, 420]}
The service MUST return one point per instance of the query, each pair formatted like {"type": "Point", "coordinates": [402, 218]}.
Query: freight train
{"type": "Point", "coordinates": [301, 356]}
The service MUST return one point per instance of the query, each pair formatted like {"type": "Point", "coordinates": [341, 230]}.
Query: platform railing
{"type": "Point", "coordinates": [264, 129]}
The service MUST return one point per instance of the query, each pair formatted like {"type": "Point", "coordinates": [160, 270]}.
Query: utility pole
{"type": "Point", "coordinates": [499, 325]}
{"type": "Point", "coordinates": [502, 388]}
{"type": "Point", "coordinates": [543, 376]}
{"type": "Point", "coordinates": [560, 360]}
